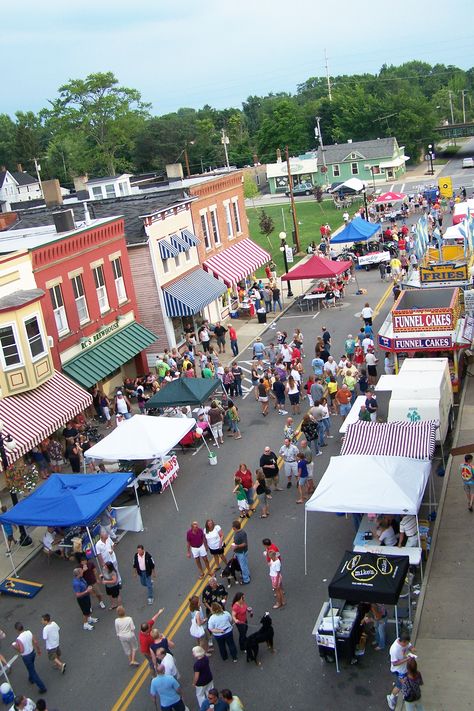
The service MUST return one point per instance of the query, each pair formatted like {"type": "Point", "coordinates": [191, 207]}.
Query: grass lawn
{"type": "Point", "coordinates": [310, 217]}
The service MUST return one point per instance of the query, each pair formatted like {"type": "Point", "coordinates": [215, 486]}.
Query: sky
{"type": "Point", "coordinates": [192, 53]}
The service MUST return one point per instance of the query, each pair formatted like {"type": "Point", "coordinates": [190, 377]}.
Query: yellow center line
{"type": "Point", "coordinates": [383, 299]}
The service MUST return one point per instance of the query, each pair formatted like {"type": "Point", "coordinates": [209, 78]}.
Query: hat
{"type": "Point", "coordinates": [119, 392]}
{"type": "Point", "coordinates": [258, 338]}
{"type": "Point", "coordinates": [140, 387]}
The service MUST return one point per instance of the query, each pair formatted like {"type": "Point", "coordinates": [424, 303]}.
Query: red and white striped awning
{"type": "Point", "coordinates": [236, 262]}
{"type": "Point", "coordinates": [415, 440]}
{"type": "Point", "coordinates": [32, 416]}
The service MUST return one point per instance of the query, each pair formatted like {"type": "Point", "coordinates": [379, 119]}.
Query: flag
{"type": "Point", "coordinates": [438, 237]}
{"type": "Point", "coordinates": [464, 231]}
{"type": "Point", "coordinates": [470, 221]}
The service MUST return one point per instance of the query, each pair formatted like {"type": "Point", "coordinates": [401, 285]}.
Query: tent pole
{"type": "Point", "coordinates": [210, 429]}
{"type": "Point", "coordinates": [396, 620]}
{"type": "Point", "coordinates": [305, 537]}
{"type": "Point", "coordinates": [174, 497]}
{"type": "Point", "coordinates": [334, 636]}
{"type": "Point", "coordinates": [9, 553]}
{"type": "Point", "coordinates": [419, 546]}
{"type": "Point", "coordinates": [93, 548]}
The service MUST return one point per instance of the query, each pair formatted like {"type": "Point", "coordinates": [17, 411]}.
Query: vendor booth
{"type": "Point", "coordinates": [317, 268]}
{"type": "Point", "coordinates": [358, 230]}
{"type": "Point", "coordinates": [360, 578]}
{"type": "Point", "coordinates": [426, 322]}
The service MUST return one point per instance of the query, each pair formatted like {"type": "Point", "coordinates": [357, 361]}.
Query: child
{"type": "Point", "coordinates": [241, 496]}
{"type": "Point", "coordinates": [411, 686]}
{"type": "Point", "coordinates": [302, 477]}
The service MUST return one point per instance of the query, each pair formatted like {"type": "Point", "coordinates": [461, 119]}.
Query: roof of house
{"type": "Point", "coordinates": [370, 150]}
{"type": "Point", "coordinates": [131, 208]}
{"type": "Point", "coordinates": [108, 178]}
{"type": "Point", "coordinates": [24, 178]}
{"type": "Point", "coordinates": [3, 175]}
{"type": "Point", "coordinates": [28, 237]}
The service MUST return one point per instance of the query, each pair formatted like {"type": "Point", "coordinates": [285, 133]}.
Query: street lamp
{"type": "Point", "coordinates": [283, 248]}
{"type": "Point", "coordinates": [431, 155]}
{"type": "Point", "coordinates": [8, 443]}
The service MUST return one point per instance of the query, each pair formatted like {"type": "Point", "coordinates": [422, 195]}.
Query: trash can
{"type": "Point", "coordinates": [212, 459]}
{"type": "Point", "coordinates": [262, 316]}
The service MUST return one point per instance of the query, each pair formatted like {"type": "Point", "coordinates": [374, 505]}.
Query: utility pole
{"type": "Point", "coordinates": [225, 142]}
{"type": "Point", "coordinates": [463, 93]}
{"type": "Point", "coordinates": [38, 171]}
{"type": "Point", "coordinates": [296, 231]}
{"type": "Point", "coordinates": [451, 105]}
{"type": "Point", "coordinates": [319, 136]}
{"type": "Point", "coordinates": [186, 160]}
{"type": "Point", "coordinates": [327, 74]}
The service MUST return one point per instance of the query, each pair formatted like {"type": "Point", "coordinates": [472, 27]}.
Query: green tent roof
{"type": "Point", "coordinates": [184, 391]}
{"type": "Point", "coordinates": [97, 362]}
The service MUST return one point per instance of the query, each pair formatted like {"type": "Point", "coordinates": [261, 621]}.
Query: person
{"type": "Point", "coordinates": [288, 452]}
{"type": "Point", "coordinates": [279, 395]}
{"type": "Point", "coordinates": [215, 542]}
{"type": "Point", "coordinates": [234, 419]}
{"type": "Point", "coordinates": [385, 533]}
{"type": "Point", "coordinates": [395, 265]}
{"type": "Point", "coordinates": [73, 454]}
{"type": "Point", "coordinates": [198, 621]}
{"type": "Point", "coordinates": [343, 398]}
{"type": "Point", "coordinates": [263, 396]}
{"type": "Point", "coordinates": [245, 475]}
{"type": "Point", "coordinates": [238, 373]}
{"type": "Point", "coordinates": [167, 660]}
{"type": "Point", "coordinates": [213, 702]}
{"type": "Point", "coordinates": [219, 333]}
{"type": "Point", "coordinates": [233, 701]}
{"type": "Point", "coordinates": [408, 528]}
{"type": "Point", "coordinates": [293, 390]}
{"type": "Point", "coordinates": [267, 298]}
{"type": "Point", "coordinates": [377, 616]}
{"type": "Point", "coordinates": [302, 478]}
{"type": "Point", "coordinates": [317, 365]}
{"type": "Point", "coordinates": [241, 496]}
{"type": "Point", "coordinates": [51, 641]}
{"type": "Point", "coordinates": [240, 610]}
{"type": "Point", "coordinates": [110, 579]}
{"type": "Point", "coordinates": [220, 626]}
{"type": "Point", "coordinates": [122, 405]}
{"type": "Point", "coordinates": [144, 569]}
{"type": "Point", "coordinates": [308, 455]}
{"type": "Point", "coordinates": [125, 631]}
{"type": "Point", "coordinates": [233, 341]}
{"type": "Point", "coordinates": [269, 465]}
{"type": "Point", "coordinates": [411, 686]}
{"type": "Point", "coordinates": [326, 339]}
{"type": "Point", "coordinates": [145, 639]}
{"type": "Point", "coordinates": [202, 679]}
{"type": "Point", "coordinates": [51, 539]}
{"type": "Point", "coordinates": [276, 298]}
{"type": "Point", "coordinates": [258, 350]}
{"type": "Point", "coordinates": [240, 546]}
{"type": "Point", "coordinates": [204, 337]}
{"type": "Point", "coordinates": [398, 665]}
{"type": "Point", "coordinates": [213, 592]}
{"type": "Point", "coordinates": [388, 365]}
{"type": "Point", "coordinates": [82, 592]}
{"type": "Point", "coordinates": [196, 547]}
{"type": "Point", "coordinates": [263, 493]}
{"type": "Point", "coordinates": [396, 291]}
{"type": "Point", "coordinates": [104, 549]}
{"type": "Point", "coordinates": [274, 567]}
{"type": "Point", "coordinates": [215, 416]}
{"type": "Point", "coordinates": [371, 405]}
{"type": "Point", "coordinates": [317, 391]}
{"type": "Point", "coordinates": [367, 314]}
{"type": "Point", "coordinates": [364, 415]}
{"type": "Point", "coordinates": [371, 362]}
{"type": "Point", "coordinates": [90, 576]}
{"type": "Point", "coordinates": [23, 703]}
{"type": "Point", "coordinates": [159, 641]}
{"type": "Point", "coordinates": [27, 646]}
{"type": "Point", "coordinates": [167, 689]}
{"type": "Point", "coordinates": [467, 476]}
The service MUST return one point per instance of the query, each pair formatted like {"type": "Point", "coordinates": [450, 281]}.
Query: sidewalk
{"type": "Point", "coordinates": [443, 631]}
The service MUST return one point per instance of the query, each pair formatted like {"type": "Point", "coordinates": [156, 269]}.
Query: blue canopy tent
{"type": "Point", "coordinates": [66, 500]}
{"type": "Point", "coordinates": [358, 230]}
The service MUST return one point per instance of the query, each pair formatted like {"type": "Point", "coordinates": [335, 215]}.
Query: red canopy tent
{"type": "Point", "coordinates": [389, 197]}
{"type": "Point", "coordinates": [317, 268]}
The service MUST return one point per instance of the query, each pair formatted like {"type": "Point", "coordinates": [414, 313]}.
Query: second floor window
{"type": "Point", "coordinates": [235, 207]}
{"type": "Point", "coordinates": [336, 170]}
{"type": "Point", "coordinates": [80, 299]}
{"type": "Point", "coordinates": [228, 220]}
{"type": "Point", "coordinates": [205, 231]}
{"type": "Point", "coordinates": [355, 168]}
{"type": "Point", "coordinates": [101, 291]}
{"type": "Point", "coordinates": [35, 337]}
{"type": "Point", "coordinates": [59, 310]}
{"type": "Point", "coordinates": [8, 344]}
{"type": "Point", "coordinates": [118, 277]}
{"type": "Point", "coordinates": [215, 227]}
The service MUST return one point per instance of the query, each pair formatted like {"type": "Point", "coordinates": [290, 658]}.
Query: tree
{"type": "Point", "coordinates": [318, 193]}
{"type": "Point", "coordinates": [283, 126]}
{"type": "Point", "coordinates": [250, 188]}
{"type": "Point", "coordinates": [7, 142]}
{"type": "Point", "coordinates": [266, 224]}
{"type": "Point", "coordinates": [30, 139]}
{"type": "Point", "coordinates": [109, 116]}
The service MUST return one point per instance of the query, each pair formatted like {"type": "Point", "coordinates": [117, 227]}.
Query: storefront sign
{"type": "Point", "coordinates": [416, 344]}
{"type": "Point", "coordinates": [289, 254]}
{"type": "Point", "coordinates": [374, 258]}
{"type": "Point", "coordinates": [106, 331]}
{"type": "Point", "coordinates": [443, 272]}
{"type": "Point", "coordinates": [469, 301]}
{"type": "Point", "coordinates": [172, 469]}
{"type": "Point", "coordinates": [428, 320]}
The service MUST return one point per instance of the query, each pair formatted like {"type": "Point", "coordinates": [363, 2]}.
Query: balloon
{"type": "Point", "coordinates": [199, 431]}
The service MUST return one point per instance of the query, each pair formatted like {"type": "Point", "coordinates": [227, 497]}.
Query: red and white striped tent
{"type": "Point", "coordinates": [413, 440]}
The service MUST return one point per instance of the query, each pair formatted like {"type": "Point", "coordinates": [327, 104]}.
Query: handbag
{"type": "Point", "coordinates": [196, 630]}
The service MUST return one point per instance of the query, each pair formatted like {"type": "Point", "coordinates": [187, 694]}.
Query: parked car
{"type": "Point", "coordinates": [301, 189]}
{"type": "Point", "coordinates": [468, 162]}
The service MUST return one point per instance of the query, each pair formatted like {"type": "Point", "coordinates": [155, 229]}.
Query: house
{"type": "Point", "coordinates": [17, 186]}
{"type": "Point", "coordinates": [90, 309]}
{"type": "Point", "coordinates": [303, 169]}
{"type": "Point", "coordinates": [111, 186]}
{"type": "Point", "coordinates": [377, 162]}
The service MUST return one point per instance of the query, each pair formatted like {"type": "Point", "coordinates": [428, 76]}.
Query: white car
{"type": "Point", "coordinates": [468, 162]}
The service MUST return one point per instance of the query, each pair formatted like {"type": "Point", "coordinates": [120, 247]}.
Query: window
{"type": "Point", "coordinates": [166, 266]}
{"type": "Point", "coordinates": [97, 192]}
{"type": "Point", "coordinates": [80, 299]}
{"type": "Point", "coordinates": [205, 231]}
{"type": "Point", "coordinates": [336, 171]}
{"type": "Point", "coordinates": [355, 168]}
{"type": "Point", "coordinates": [100, 288]}
{"type": "Point", "coordinates": [228, 221]}
{"type": "Point", "coordinates": [35, 337]}
{"type": "Point", "coordinates": [215, 227]}
{"type": "Point", "coordinates": [375, 170]}
{"type": "Point", "coordinates": [10, 349]}
{"type": "Point", "coordinates": [235, 207]}
{"type": "Point", "coordinates": [58, 309]}
{"type": "Point", "coordinates": [188, 255]}
{"type": "Point", "coordinates": [123, 188]}
{"type": "Point", "coordinates": [110, 190]}
{"type": "Point", "coordinates": [119, 282]}
{"type": "Point", "coordinates": [176, 261]}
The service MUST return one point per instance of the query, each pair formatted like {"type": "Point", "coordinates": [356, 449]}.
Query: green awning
{"type": "Point", "coordinates": [99, 361]}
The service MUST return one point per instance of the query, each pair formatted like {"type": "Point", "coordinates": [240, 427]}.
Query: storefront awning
{"type": "Point", "coordinates": [97, 362]}
{"type": "Point", "coordinates": [167, 250]}
{"type": "Point", "coordinates": [415, 440]}
{"type": "Point", "coordinates": [190, 238]}
{"type": "Point", "coordinates": [394, 162]}
{"type": "Point", "coordinates": [189, 295]}
{"type": "Point", "coordinates": [32, 416]}
{"type": "Point", "coordinates": [237, 262]}
{"type": "Point", "coordinates": [179, 243]}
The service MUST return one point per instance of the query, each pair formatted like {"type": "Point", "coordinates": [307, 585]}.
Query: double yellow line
{"type": "Point", "coordinates": [142, 673]}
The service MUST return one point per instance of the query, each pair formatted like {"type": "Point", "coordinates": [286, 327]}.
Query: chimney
{"type": "Point", "coordinates": [80, 183]}
{"type": "Point", "coordinates": [52, 193]}
{"type": "Point", "coordinates": [87, 217]}
{"type": "Point", "coordinates": [19, 168]}
{"type": "Point", "coordinates": [174, 171]}
{"type": "Point", "coordinates": [64, 221]}
{"type": "Point", "coordinates": [278, 155]}
{"type": "Point", "coordinates": [3, 169]}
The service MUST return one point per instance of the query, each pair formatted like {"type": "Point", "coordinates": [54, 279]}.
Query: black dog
{"type": "Point", "coordinates": [264, 634]}
{"type": "Point", "coordinates": [230, 572]}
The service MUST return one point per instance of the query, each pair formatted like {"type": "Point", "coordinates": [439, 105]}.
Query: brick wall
{"type": "Point", "coordinates": [149, 307]}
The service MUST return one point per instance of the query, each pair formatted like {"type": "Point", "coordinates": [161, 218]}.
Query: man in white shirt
{"type": "Point", "coordinates": [366, 343]}
{"type": "Point", "coordinates": [27, 645]}
{"type": "Point", "coordinates": [398, 665]}
{"type": "Point", "coordinates": [104, 549]}
{"type": "Point", "coordinates": [167, 660]}
{"type": "Point", "coordinates": [367, 314]}
{"type": "Point", "coordinates": [408, 531]}
{"type": "Point", "coordinates": [288, 452]}
{"type": "Point", "coordinates": [330, 366]}
{"type": "Point", "coordinates": [51, 639]}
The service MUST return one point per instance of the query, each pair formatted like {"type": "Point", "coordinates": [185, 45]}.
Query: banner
{"type": "Point", "coordinates": [129, 518]}
{"type": "Point", "coordinates": [443, 272]}
{"type": "Point", "coordinates": [415, 344]}
{"type": "Point", "coordinates": [374, 258]}
{"type": "Point", "coordinates": [423, 320]}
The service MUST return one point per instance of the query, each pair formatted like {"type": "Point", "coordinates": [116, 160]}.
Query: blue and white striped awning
{"type": "Point", "coordinates": [180, 243]}
{"type": "Point", "coordinates": [188, 237]}
{"type": "Point", "coordinates": [167, 250]}
{"type": "Point", "coordinates": [189, 295]}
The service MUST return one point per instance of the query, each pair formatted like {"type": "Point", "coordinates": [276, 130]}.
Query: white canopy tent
{"type": "Point", "coordinates": [375, 484]}
{"type": "Point", "coordinates": [143, 437]}
{"type": "Point", "coordinates": [354, 184]}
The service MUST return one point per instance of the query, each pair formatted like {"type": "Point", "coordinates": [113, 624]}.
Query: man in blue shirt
{"type": "Point", "coordinates": [317, 365]}
{"type": "Point", "coordinates": [214, 701]}
{"type": "Point", "coordinates": [167, 688]}
{"type": "Point", "coordinates": [258, 349]}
